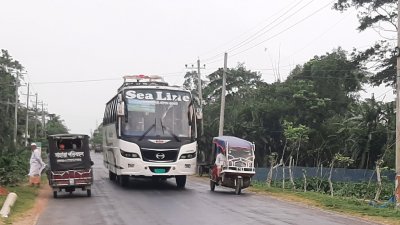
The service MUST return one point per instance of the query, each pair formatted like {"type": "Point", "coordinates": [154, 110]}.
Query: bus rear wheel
{"type": "Point", "coordinates": [180, 181]}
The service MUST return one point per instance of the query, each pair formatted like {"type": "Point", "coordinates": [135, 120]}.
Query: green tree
{"type": "Point", "coordinates": [7, 98]}
{"type": "Point", "coordinates": [192, 83]}
{"type": "Point", "coordinates": [295, 137]}
{"type": "Point", "coordinates": [238, 80]}
{"type": "Point", "coordinates": [240, 83]}
{"type": "Point", "coordinates": [55, 125]}
{"type": "Point", "coordinates": [361, 133]}
{"type": "Point", "coordinates": [321, 95]}
{"type": "Point", "coordinates": [381, 16]}
{"type": "Point", "coordinates": [97, 138]}
{"type": "Point", "coordinates": [335, 77]}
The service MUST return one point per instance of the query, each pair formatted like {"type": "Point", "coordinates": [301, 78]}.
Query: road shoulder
{"type": "Point", "coordinates": [31, 216]}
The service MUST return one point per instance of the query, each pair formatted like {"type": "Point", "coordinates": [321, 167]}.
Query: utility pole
{"type": "Point", "coordinates": [27, 117]}
{"type": "Point", "coordinates": [43, 119]}
{"type": "Point", "coordinates": [200, 97]}
{"type": "Point", "coordinates": [199, 90]}
{"type": "Point", "coordinates": [397, 182]}
{"type": "Point", "coordinates": [43, 122]}
{"type": "Point", "coordinates": [16, 109]}
{"type": "Point", "coordinates": [222, 113]}
{"type": "Point", "coordinates": [36, 109]}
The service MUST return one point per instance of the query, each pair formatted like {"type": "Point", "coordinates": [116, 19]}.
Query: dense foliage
{"type": "Point", "coordinates": [14, 167]}
{"type": "Point", "coordinates": [312, 116]}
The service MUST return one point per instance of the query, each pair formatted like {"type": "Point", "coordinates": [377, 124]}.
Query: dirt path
{"type": "Point", "coordinates": [31, 216]}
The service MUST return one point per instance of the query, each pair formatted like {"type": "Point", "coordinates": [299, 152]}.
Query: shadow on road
{"type": "Point", "coordinates": [147, 184]}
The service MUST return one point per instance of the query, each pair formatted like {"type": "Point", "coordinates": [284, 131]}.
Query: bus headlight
{"type": "Point", "coordinates": [188, 155]}
{"type": "Point", "coordinates": [129, 154]}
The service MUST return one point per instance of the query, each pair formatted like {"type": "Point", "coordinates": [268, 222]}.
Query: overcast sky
{"type": "Point", "coordinates": [76, 52]}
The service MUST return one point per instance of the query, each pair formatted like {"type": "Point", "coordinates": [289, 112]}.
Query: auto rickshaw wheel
{"type": "Point", "coordinates": [238, 188]}
{"type": "Point", "coordinates": [54, 194]}
{"type": "Point", "coordinates": [89, 192]}
{"type": "Point", "coordinates": [212, 185]}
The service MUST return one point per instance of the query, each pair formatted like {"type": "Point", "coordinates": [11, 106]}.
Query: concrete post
{"type": "Point", "coordinates": [10, 200]}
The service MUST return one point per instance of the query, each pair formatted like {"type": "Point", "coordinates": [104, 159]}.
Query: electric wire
{"type": "Point", "coordinates": [286, 29]}
{"type": "Point", "coordinates": [248, 31]}
{"type": "Point", "coordinates": [277, 34]}
{"type": "Point", "coordinates": [320, 35]}
{"type": "Point", "coordinates": [257, 34]}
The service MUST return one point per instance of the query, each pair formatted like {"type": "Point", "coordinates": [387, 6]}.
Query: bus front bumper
{"type": "Point", "coordinates": [140, 168]}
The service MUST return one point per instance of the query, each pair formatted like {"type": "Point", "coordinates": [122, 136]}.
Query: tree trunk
{"type": "Point", "coordinates": [298, 151]}
{"type": "Point", "coordinates": [283, 165]}
{"type": "Point", "coordinates": [363, 161]}
{"type": "Point", "coordinates": [269, 177]}
{"type": "Point", "coordinates": [283, 175]}
{"type": "Point", "coordinates": [305, 179]}
{"type": "Point", "coordinates": [379, 180]}
{"type": "Point", "coordinates": [319, 182]}
{"type": "Point", "coordinates": [330, 177]}
{"type": "Point", "coordinates": [291, 162]}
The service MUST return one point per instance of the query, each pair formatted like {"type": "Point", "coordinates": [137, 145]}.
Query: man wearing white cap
{"type": "Point", "coordinates": [36, 166]}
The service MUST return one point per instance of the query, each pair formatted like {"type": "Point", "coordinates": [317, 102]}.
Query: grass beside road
{"type": "Point", "coordinates": [349, 206]}
{"type": "Point", "coordinates": [25, 201]}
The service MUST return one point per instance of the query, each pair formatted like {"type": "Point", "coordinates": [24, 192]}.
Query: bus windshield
{"type": "Point", "coordinates": [156, 113]}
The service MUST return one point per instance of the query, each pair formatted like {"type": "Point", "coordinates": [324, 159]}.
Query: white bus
{"type": "Point", "coordinates": [149, 130]}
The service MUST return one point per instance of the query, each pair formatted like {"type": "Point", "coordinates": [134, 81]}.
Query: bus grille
{"type": "Point", "coordinates": [160, 155]}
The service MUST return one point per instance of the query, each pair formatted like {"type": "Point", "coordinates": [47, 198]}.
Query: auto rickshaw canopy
{"type": "Point", "coordinates": [74, 155]}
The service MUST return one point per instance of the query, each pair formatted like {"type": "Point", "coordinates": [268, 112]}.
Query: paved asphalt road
{"type": "Point", "coordinates": [145, 202]}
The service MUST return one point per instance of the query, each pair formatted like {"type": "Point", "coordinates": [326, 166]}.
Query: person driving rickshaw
{"type": "Point", "coordinates": [220, 161]}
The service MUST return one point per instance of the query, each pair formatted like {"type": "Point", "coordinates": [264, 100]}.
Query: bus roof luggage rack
{"type": "Point", "coordinates": [142, 80]}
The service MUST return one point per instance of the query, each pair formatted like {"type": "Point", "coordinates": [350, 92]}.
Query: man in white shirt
{"type": "Point", "coordinates": [220, 161]}
{"type": "Point", "coordinates": [36, 166]}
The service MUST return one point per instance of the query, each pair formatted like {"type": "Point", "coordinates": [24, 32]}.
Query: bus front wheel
{"type": "Point", "coordinates": [180, 181]}
{"type": "Point", "coordinates": [123, 180]}
{"type": "Point", "coordinates": [112, 175]}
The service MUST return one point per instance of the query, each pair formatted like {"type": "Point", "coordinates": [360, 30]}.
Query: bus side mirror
{"type": "Point", "coordinates": [190, 114]}
{"type": "Point", "coordinates": [121, 108]}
